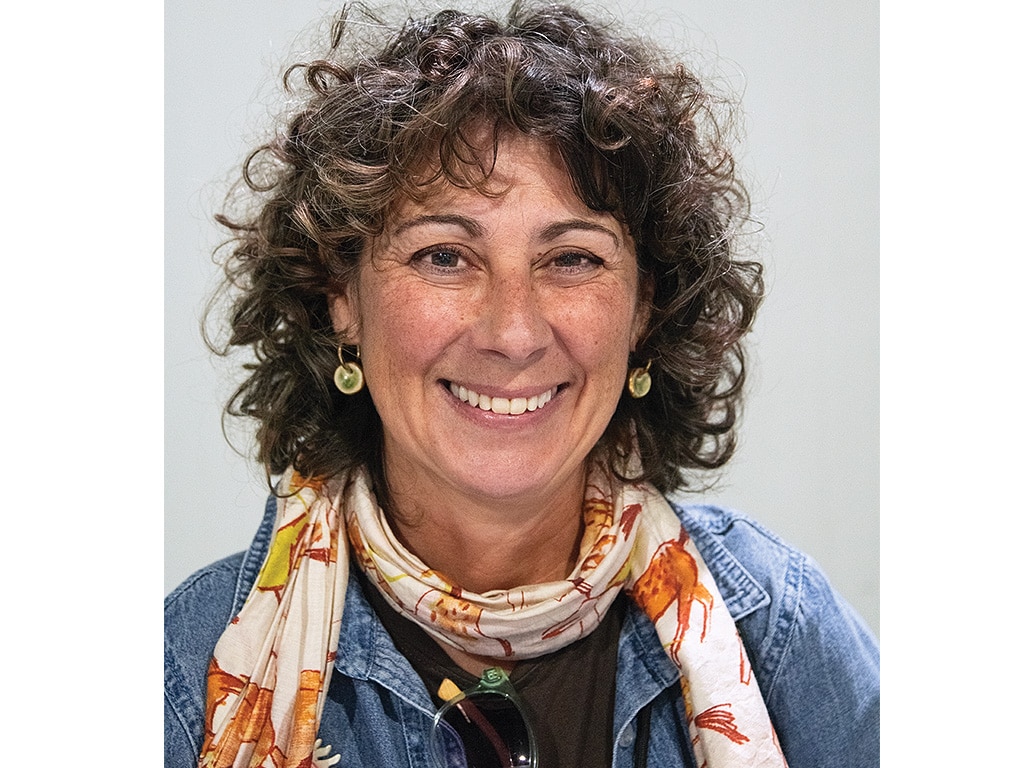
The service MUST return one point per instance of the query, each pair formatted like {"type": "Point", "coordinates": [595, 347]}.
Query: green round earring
{"type": "Point", "coordinates": [639, 381]}
{"type": "Point", "coordinates": [348, 377]}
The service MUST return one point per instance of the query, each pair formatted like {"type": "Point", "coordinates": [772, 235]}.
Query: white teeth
{"type": "Point", "coordinates": [502, 405]}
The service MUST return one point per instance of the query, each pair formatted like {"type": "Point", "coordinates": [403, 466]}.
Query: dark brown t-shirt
{"type": "Point", "coordinates": [569, 694]}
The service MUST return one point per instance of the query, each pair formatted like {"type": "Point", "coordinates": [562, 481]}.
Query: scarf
{"type": "Point", "coordinates": [271, 668]}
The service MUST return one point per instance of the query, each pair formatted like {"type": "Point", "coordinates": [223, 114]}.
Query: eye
{"type": "Point", "coordinates": [576, 261]}
{"type": "Point", "coordinates": [439, 259]}
{"type": "Point", "coordinates": [444, 259]}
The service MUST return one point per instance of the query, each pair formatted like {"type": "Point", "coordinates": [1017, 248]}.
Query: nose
{"type": "Point", "coordinates": [512, 322]}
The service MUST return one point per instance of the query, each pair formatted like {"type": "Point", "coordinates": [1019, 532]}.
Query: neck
{"type": "Point", "coordinates": [484, 544]}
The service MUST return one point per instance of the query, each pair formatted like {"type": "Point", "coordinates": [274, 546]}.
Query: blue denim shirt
{"type": "Point", "coordinates": [816, 662]}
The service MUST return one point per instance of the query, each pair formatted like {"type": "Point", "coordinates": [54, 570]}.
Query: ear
{"type": "Point", "coordinates": [344, 310]}
{"type": "Point", "coordinates": [642, 316]}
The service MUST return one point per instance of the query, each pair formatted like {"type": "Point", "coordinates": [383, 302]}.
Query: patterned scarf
{"type": "Point", "coordinates": [271, 668]}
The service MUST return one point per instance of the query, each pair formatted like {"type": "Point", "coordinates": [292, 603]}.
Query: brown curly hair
{"type": "Point", "coordinates": [640, 138]}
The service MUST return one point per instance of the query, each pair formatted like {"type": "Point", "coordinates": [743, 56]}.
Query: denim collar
{"type": "Point", "coordinates": [367, 652]}
{"type": "Point", "coordinates": [742, 593]}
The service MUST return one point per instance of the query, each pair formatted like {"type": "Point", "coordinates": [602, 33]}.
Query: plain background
{"type": "Point", "coordinates": [807, 76]}
{"type": "Point", "coordinates": [83, 368]}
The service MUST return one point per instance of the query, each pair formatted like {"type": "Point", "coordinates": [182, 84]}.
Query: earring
{"type": "Point", "coordinates": [348, 377]}
{"type": "Point", "coordinates": [639, 381]}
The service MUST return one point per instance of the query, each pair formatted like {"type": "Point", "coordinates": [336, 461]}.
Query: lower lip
{"type": "Point", "coordinates": [501, 419]}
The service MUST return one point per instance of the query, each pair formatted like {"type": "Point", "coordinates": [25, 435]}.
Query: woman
{"type": "Point", "coordinates": [497, 315]}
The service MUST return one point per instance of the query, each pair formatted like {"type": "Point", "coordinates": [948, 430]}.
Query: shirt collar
{"type": "Point", "coordinates": [742, 593]}
{"type": "Point", "coordinates": [367, 652]}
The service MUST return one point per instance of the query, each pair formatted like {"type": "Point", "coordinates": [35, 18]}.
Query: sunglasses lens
{"type": "Point", "coordinates": [492, 731]}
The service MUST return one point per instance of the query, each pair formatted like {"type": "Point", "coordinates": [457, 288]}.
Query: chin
{"type": "Point", "coordinates": [510, 480]}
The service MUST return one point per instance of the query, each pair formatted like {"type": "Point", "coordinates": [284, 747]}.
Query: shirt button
{"type": "Point", "coordinates": [628, 736]}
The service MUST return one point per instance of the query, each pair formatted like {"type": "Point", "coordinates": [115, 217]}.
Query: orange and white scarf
{"type": "Point", "coordinates": [271, 668]}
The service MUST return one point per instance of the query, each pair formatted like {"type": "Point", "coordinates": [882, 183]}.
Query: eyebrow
{"type": "Point", "coordinates": [550, 232]}
{"type": "Point", "coordinates": [454, 219]}
{"type": "Point", "coordinates": [558, 228]}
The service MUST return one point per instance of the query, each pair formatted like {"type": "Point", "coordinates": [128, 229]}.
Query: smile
{"type": "Point", "coordinates": [502, 405]}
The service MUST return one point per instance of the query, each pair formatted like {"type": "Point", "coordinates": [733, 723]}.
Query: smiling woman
{"type": "Point", "coordinates": [515, 295]}
{"type": "Point", "coordinates": [516, 238]}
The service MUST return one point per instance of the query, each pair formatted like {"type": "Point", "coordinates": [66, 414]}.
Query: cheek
{"type": "Point", "coordinates": [600, 333]}
{"type": "Point", "coordinates": [406, 329]}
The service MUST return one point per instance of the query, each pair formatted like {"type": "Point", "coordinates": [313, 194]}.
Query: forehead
{"type": "Point", "coordinates": [518, 174]}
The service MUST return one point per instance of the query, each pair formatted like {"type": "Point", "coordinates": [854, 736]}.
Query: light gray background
{"type": "Point", "coordinates": [807, 73]}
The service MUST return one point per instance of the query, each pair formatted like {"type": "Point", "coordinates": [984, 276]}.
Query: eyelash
{"type": "Point", "coordinates": [584, 261]}
{"type": "Point", "coordinates": [587, 260]}
{"type": "Point", "coordinates": [424, 257]}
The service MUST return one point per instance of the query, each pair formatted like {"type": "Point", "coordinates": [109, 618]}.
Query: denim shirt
{"type": "Point", "coordinates": [815, 661]}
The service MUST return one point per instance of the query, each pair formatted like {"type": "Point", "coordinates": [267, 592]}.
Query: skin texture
{"type": "Point", "coordinates": [511, 294]}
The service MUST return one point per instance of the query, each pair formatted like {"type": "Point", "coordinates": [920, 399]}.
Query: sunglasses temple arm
{"type": "Point", "coordinates": [470, 712]}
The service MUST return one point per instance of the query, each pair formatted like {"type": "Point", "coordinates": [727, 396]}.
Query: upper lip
{"type": "Point", "coordinates": [526, 392]}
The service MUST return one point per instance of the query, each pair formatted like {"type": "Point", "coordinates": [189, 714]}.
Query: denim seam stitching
{"type": "Point", "coordinates": [181, 724]}
{"type": "Point", "coordinates": [253, 558]}
{"type": "Point", "coordinates": [787, 623]}
{"type": "Point", "coordinates": [178, 700]}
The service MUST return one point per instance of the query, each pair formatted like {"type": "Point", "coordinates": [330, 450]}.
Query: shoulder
{"type": "Point", "coordinates": [815, 660]}
{"type": "Point", "coordinates": [195, 615]}
{"type": "Point", "coordinates": [201, 605]}
{"type": "Point", "coordinates": [758, 575]}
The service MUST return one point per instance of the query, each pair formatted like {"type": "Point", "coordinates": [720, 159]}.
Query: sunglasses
{"type": "Point", "coordinates": [484, 727]}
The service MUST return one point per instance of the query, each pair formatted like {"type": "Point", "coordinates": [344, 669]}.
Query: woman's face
{"type": "Point", "coordinates": [494, 331]}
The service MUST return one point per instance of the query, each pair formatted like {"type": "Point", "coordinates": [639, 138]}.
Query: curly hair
{"type": "Point", "coordinates": [641, 139]}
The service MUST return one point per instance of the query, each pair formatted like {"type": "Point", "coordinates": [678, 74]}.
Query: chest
{"type": "Point", "coordinates": [368, 724]}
